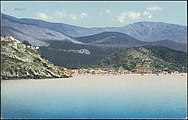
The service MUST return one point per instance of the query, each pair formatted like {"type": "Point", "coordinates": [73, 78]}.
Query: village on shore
{"type": "Point", "coordinates": [120, 71]}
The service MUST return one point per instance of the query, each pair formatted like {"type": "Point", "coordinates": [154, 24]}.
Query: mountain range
{"type": "Point", "coordinates": [144, 31]}
{"type": "Point", "coordinates": [73, 46]}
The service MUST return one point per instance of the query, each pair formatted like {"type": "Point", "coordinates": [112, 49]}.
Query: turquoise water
{"type": "Point", "coordinates": [95, 97]}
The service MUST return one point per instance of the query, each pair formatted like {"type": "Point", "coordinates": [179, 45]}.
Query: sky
{"type": "Point", "coordinates": [99, 14]}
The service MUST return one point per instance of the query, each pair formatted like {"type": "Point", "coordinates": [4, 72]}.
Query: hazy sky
{"type": "Point", "coordinates": [99, 14]}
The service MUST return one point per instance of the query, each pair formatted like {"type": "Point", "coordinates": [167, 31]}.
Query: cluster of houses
{"type": "Point", "coordinates": [99, 71]}
{"type": "Point", "coordinates": [11, 41]}
{"type": "Point", "coordinates": [141, 69]}
{"type": "Point", "coordinates": [121, 71]}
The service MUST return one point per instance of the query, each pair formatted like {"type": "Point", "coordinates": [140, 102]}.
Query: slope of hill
{"type": "Point", "coordinates": [155, 31]}
{"type": "Point", "coordinates": [35, 34]}
{"type": "Point", "coordinates": [22, 36]}
{"type": "Point", "coordinates": [97, 46]}
{"type": "Point", "coordinates": [64, 53]}
{"type": "Point", "coordinates": [109, 38]}
{"type": "Point", "coordinates": [66, 29]}
{"type": "Point", "coordinates": [19, 61]}
{"type": "Point", "coordinates": [121, 40]}
{"type": "Point", "coordinates": [170, 44]}
{"type": "Point", "coordinates": [155, 57]}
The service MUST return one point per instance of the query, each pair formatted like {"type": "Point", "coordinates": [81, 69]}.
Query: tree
{"type": "Point", "coordinates": [26, 43]}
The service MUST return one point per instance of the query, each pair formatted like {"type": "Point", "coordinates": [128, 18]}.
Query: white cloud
{"type": "Point", "coordinates": [154, 8]}
{"type": "Point", "coordinates": [107, 11]}
{"type": "Point", "coordinates": [121, 17]}
{"type": "Point", "coordinates": [58, 15]}
{"type": "Point", "coordinates": [43, 16]}
{"type": "Point", "coordinates": [73, 16]}
{"type": "Point", "coordinates": [61, 14]}
{"type": "Point", "coordinates": [83, 15]}
{"type": "Point", "coordinates": [147, 14]}
{"type": "Point", "coordinates": [134, 15]}
{"type": "Point", "coordinates": [128, 15]}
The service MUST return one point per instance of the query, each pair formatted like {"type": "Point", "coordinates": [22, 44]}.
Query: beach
{"type": "Point", "coordinates": [96, 96]}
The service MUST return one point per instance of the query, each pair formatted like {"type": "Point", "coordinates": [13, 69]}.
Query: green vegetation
{"type": "Point", "coordinates": [26, 43]}
{"type": "Point", "coordinates": [55, 54]}
{"type": "Point", "coordinates": [21, 62]}
{"type": "Point", "coordinates": [153, 57]}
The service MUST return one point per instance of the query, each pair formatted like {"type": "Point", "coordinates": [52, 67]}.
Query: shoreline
{"type": "Point", "coordinates": [100, 75]}
{"type": "Point", "coordinates": [131, 74]}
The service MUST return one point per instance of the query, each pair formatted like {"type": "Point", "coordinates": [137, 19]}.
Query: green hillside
{"type": "Point", "coordinates": [21, 62]}
{"type": "Point", "coordinates": [154, 57]}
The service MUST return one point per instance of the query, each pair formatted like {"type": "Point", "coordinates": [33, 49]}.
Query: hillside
{"type": "Point", "coordinates": [170, 44]}
{"type": "Point", "coordinates": [154, 57]}
{"type": "Point", "coordinates": [35, 34]}
{"type": "Point", "coordinates": [155, 31]}
{"type": "Point", "coordinates": [95, 48]}
{"type": "Point", "coordinates": [72, 55]}
{"type": "Point", "coordinates": [110, 38]}
{"type": "Point", "coordinates": [19, 61]}
{"type": "Point", "coordinates": [121, 40]}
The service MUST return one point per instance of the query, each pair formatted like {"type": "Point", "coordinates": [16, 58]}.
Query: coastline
{"type": "Point", "coordinates": [126, 74]}
{"type": "Point", "coordinates": [131, 75]}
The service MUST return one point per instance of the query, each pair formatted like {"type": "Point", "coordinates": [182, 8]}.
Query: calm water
{"type": "Point", "coordinates": [126, 96]}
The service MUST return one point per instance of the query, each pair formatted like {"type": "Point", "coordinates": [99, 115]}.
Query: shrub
{"type": "Point", "coordinates": [26, 43]}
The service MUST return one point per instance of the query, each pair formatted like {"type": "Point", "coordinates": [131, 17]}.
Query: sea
{"type": "Point", "coordinates": [128, 96]}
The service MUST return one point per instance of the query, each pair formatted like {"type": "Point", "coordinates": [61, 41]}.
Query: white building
{"type": "Point", "coordinates": [12, 38]}
{"type": "Point", "coordinates": [17, 41]}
